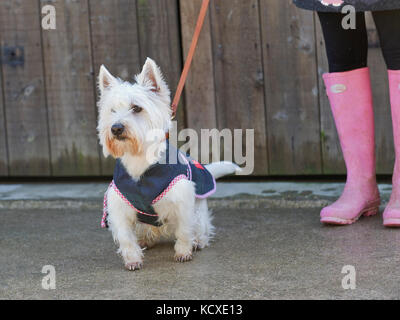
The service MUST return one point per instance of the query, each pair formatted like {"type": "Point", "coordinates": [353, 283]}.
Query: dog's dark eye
{"type": "Point", "coordinates": [136, 109]}
{"type": "Point", "coordinates": [113, 111]}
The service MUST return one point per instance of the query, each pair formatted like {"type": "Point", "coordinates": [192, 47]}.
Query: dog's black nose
{"type": "Point", "coordinates": [117, 129]}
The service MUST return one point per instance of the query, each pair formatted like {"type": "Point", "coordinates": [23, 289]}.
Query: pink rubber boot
{"type": "Point", "coordinates": [351, 102]}
{"type": "Point", "coordinates": [391, 216]}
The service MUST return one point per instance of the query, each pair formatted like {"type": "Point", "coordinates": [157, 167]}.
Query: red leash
{"type": "Point", "coordinates": [192, 50]}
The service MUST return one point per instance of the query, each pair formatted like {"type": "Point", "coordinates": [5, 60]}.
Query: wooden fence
{"type": "Point", "coordinates": [258, 66]}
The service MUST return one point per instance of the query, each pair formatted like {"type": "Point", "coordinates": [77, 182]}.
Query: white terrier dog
{"type": "Point", "coordinates": [127, 113]}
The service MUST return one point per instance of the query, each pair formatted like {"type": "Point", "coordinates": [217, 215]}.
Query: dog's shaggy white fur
{"type": "Point", "coordinates": [140, 108]}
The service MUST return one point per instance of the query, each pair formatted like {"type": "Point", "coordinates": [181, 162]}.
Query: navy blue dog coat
{"type": "Point", "coordinates": [157, 180]}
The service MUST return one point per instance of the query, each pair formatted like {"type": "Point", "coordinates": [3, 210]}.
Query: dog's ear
{"type": "Point", "coordinates": [106, 79]}
{"type": "Point", "coordinates": [152, 77]}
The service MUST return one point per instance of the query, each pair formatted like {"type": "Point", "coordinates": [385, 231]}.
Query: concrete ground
{"type": "Point", "coordinates": [261, 251]}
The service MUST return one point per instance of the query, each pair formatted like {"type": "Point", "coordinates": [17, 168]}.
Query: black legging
{"type": "Point", "coordinates": [348, 49]}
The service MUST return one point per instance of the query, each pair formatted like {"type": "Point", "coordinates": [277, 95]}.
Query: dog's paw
{"type": "Point", "coordinates": [132, 266]}
{"type": "Point", "coordinates": [183, 257]}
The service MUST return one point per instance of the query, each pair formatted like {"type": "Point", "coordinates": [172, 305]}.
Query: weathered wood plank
{"type": "Point", "coordinates": [332, 157]}
{"type": "Point", "coordinates": [239, 79]}
{"type": "Point", "coordinates": [3, 142]}
{"type": "Point", "coordinates": [70, 91]}
{"type": "Point", "coordinates": [199, 89]}
{"type": "Point", "coordinates": [160, 40]}
{"type": "Point", "coordinates": [25, 103]}
{"type": "Point", "coordinates": [115, 40]}
{"type": "Point", "coordinates": [380, 87]}
{"type": "Point", "coordinates": [291, 89]}
{"type": "Point", "coordinates": [225, 87]}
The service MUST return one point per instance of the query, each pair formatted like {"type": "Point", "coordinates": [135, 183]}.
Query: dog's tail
{"type": "Point", "coordinates": [220, 169]}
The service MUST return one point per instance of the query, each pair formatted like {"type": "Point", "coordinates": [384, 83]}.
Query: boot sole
{"type": "Point", "coordinates": [369, 212]}
{"type": "Point", "coordinates": [391, 223]}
